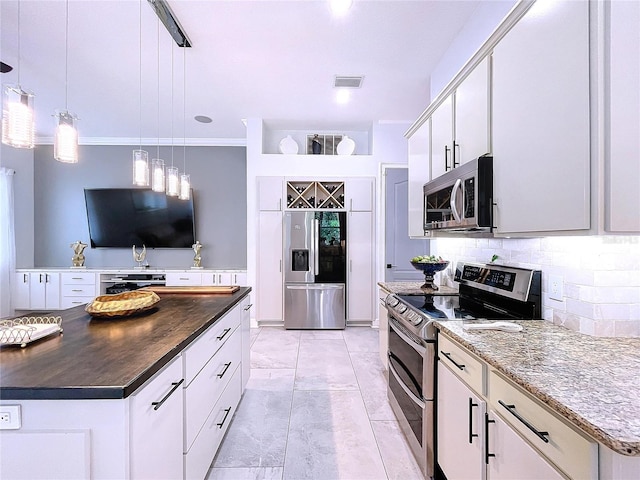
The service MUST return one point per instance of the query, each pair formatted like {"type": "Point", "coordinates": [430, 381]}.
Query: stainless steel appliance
{"type": "Point", "coordinates": [461, 200]}
{"type": "Point", "coordinates": [486, 292]}
{"type": "Point", "coordinates": [315, 270]}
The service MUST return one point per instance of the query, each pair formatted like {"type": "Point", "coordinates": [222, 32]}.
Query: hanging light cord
{"type": "Point", "coordinates": [66, 60]}
{"type": "Point", "coordinates": [184, 108]}
{"type": "Point", "coordinates": [140, 76]}
{"type": "Point", "coordinates": [158, 145]}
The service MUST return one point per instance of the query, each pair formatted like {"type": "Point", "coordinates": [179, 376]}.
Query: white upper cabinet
{"type": "Point", "coordinates": [270, 193]}
{"type": "Point", "coordinates": [359, 194]}
{"type": "Point", "coordinates": [541, 121]}
{"type": "Point", "coordinates": [418, 172]}
{"type": "Point", "coordinates": [442, 138]}
{"type": "Point", "coordinates": [471, 121]}
{"type": "Point", "coordinates": [622, 197]}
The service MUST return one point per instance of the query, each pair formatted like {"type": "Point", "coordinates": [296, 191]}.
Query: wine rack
{"type": "Point", "coordinates": [315, 195]}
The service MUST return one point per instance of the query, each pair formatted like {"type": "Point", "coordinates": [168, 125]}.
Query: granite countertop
{"type": "Point", "coordinates": [98, 358]}
{"type": "Point", "coordinates": [594, 382]}
{"type": "Point", "coordinates": [413, 288]}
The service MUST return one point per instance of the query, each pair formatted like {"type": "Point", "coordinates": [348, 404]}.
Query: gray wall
{"type": "Point", "coordinates": [218, 178]}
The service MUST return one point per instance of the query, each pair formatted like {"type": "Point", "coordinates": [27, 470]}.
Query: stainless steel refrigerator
{"type": "Point", "coordinates": [315, 270]}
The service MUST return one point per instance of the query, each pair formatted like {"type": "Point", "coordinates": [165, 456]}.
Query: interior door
{"type": "Point", "coordinates": [399, 248]}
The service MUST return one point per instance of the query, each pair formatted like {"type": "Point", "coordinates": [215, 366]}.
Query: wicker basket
{"type": "Point", "coordinates": [122, 304]}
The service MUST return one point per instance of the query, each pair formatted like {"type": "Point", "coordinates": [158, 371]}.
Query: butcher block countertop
{"type": "Point", "coordinates": [100, 358]}
{"type": "Point", "coordinates": [594, 382]}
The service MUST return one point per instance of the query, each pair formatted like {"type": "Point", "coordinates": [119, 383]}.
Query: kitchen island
{"type": "Point", "coordinates": [591, 383]}
{"type": "Point", "coordinates": [146, 396]}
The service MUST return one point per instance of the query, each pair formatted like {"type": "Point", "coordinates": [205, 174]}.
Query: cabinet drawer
{"type": "Point", "coordinates": [206, 388]}
{"type": "Point", "coordinates": [566, 447]}
{"type": "Point", "coordinates": [68, 302]}
{"type": "Point", "coordinates": [78, 290]}
{"type": "Point", "coordinates": [467, 367]}
{"type": "Point", "coordinates": [175, 279]}
{"type": "Point", "coordinates": [207, 344]}
{"type": "Point", "coordinates": [78, 278]}
{"type": "Point", "coordinates": [199, 457]}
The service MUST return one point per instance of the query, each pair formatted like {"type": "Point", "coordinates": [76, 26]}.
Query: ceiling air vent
{"type": "Point", "coordinates": [348, 82]}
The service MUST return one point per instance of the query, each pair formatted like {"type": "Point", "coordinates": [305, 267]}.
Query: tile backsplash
{"type": "Point", "coordinates": [600, 276]}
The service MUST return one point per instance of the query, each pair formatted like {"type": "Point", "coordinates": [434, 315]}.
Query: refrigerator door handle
{"type": "Point", "coordinates": [316, 286]}
{"type": "Point", "coordinates": [316, 246]}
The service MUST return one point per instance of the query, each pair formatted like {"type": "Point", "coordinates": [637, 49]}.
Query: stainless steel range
{"type": "Point", "coordinates": [491, 292]}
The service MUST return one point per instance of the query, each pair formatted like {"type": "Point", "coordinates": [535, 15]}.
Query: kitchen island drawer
{"type": "Point", "coordinates": [199, 457]}
{"type": "Point", "coordinates": [207, 387]}
{"type": "Point", "coordinates": [569, 449]}
{"type": "Point", "coordinates": [207, 344]}
{"type": "Point", "coordinates": [462, 363]}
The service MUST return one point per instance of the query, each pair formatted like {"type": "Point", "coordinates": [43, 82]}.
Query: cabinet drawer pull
{"type": "Point", "coordinates": [226, 367]}
{"type": "Point", "coordinates": [446, 158]}
{"type": "Point", "coordinates": [184, 278]}
{"type": "Point", "coordinates": [248, 307]}
{"type": "Point", "coordinates": [24, 278]}
{"type": "Point", "coordinates": [175, 385]}
{"type": "Point", "coordinates": [471, 434]}
{"type": "Point", "coordinates": [226, 414]}
{"type": "Point", "coordinates": [512, 410]}
{"type": "Point", "coordinates": [76, 278]}
{"type": "Point", "coordinates": [224, 334]}
{"type": "Point", "coordinates": [76, 290]}
{"type": "Point", "coordinates": [448, 357]}
{"type": "Point", "coordinates": [487, 455]}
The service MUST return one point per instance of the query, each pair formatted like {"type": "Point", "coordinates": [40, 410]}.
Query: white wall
{"type": "Point", "coordinates": [22, 161]}
{"type": "Point", "coordinates": [482, 23]}
{"type": "Point", "coordinates": [601, 276]}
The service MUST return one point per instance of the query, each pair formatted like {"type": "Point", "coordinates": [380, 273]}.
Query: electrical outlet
{"type": "Point", "coordinates": [10, 417]}
{"type": "Point", "coordinates": [556, 283]}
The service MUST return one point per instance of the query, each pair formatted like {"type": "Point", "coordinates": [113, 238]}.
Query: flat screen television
{"type": "Point", "coordinates": [123, 217]}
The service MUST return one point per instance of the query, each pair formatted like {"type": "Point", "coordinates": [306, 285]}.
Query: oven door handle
{"type": "Point", "coordinates": [412, 343]}
{"type": "Point", "coordinates": [411, 395]}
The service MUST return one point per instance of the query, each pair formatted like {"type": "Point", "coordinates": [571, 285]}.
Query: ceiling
{"type": "Point", "coordinates": [274, 60]}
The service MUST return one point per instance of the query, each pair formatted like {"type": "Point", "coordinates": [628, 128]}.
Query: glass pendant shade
{"type": "Point", "coordinates": [141, 168]}
{"type": "Point", "coordinates": [65, 145]}
{"type": "Point", "coordinates": [157, 175]}
{"type": "Point", "coordinates": [18, 128]}
{"type": "Point", "coordinates": [173, 182]}
{"type": "Point", "coordinates": [185, 186]}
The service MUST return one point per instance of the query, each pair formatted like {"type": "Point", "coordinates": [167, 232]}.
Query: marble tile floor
{"type": "Point", "coordinates": [315, 408]}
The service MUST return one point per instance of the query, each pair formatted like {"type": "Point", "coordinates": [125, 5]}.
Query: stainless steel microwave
{"type": "Point", "coordinates": [461, 200]}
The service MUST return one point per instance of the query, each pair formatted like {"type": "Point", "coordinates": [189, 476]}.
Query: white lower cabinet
{"type": "Point", "coordinates": [460, 417]}
{"type": "Point", "coordinates": [501, 431]}
{"type": "Point", "coordinates": [39, 290]}
{"type": "Point", "coordinates": [270, 286]}
{"type": "Point", "coordinates": [511, 457]}
{"type": "Point", "coordinates": [360, 271]}
{"type": "Point", "coordinates": [156, 426]}
{"type": "Point", "coordinates": [245, 325]}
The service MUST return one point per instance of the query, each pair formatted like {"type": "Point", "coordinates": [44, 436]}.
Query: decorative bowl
{"type": "Point", "coordinates": [122, 304]}
{"type": "Point", "coordinates": [430, 269]}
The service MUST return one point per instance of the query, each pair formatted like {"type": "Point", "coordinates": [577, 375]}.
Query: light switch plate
{"type": "Point", "coordinates": [556, 283]}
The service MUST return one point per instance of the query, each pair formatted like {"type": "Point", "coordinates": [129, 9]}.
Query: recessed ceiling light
{"type": "Point", "coordinates": [342, 96]}
{"type": "Point", "coordinates": [340, 7]}
{"type": "Point", "coordinates": [203, 119]}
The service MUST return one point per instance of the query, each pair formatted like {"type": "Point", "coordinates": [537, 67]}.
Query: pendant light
{"type": "Point", "coordinates": [185, 179]}
{"type": "Point", "coordinates": [65, 145]}
{"type": "Point", "coordinates": [157, 164]}
{"type": "Point", "coordinates": [140, 156]}
{"type": "Point", "coordinates": [173, 175]}
{"type": "Point", "coordinates": [18, 129]}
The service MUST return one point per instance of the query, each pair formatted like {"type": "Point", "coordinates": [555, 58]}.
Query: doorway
{"type": "Point", "coordinates": [399, 248]}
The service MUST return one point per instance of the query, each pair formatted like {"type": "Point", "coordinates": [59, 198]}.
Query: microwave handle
{"type": "Point", "coordinates": [454, 194]}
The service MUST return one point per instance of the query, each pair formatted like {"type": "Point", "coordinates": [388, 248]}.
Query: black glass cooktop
{"type": "Point", "coordinates": [446, 307]}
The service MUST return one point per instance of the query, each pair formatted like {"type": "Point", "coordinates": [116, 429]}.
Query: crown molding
{"type": "Point", "coordinates": [164, 142]}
